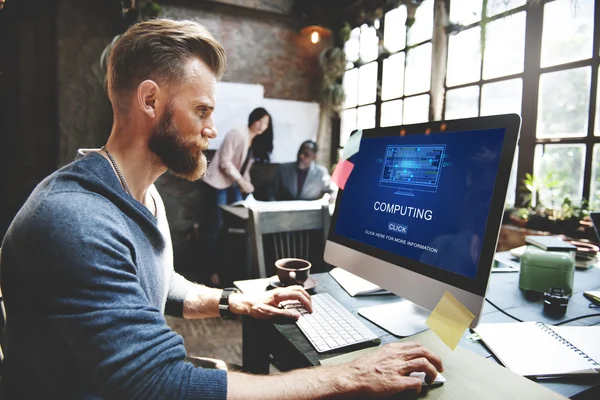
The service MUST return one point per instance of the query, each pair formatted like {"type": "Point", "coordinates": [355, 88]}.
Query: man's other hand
{"type": "Point", "coordinates": [266, 305]}
{"type": "Point", "coordinates": [385, 372]}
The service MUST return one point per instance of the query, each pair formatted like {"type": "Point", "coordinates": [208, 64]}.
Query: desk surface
{"type": "Point", "coordinates": [286, 339]}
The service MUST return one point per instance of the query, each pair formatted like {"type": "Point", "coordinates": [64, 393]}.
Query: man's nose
{"type": "Point", "coordinates": [210, 130]}
{"type": "Point", "coordinates": [209, 133]}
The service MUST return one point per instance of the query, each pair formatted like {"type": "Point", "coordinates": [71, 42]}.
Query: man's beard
{"type": "Point", "coordinates": [184, 159]}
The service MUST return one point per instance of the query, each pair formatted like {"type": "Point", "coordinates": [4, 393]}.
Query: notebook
{"type": "Point", "coordinates": [550, 243]}
{"type": "Point", "coordinates": [538, 350]}
{"type": "Point", "coordinates": [355, 285]}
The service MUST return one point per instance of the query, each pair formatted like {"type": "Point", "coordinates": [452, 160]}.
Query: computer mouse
{"type": "Point", "coordinates": [438, 381]}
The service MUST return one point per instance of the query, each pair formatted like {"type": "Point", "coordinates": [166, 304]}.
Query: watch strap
{"type": "Point", "coordinates": [224, 309]}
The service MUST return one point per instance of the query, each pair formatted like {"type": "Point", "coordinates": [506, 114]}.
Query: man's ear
{"type": "Point", "coordinates": [147, 97]}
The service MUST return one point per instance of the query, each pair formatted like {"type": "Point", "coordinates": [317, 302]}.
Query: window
{"type": "Point", "coordinates": [566, 141]}
{"type": "Point", "coordinates": [486, 62]}
{"type": "Point", "coordinates": [388, 87]}
{"type": "Point", "coordinates": [536, 59]}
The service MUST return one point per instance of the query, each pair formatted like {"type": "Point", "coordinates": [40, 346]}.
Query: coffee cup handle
{"type": "Point", "coordinates": [293, 275]}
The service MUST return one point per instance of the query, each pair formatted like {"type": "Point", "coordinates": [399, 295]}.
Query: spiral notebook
{"type": "Point", "coordinates": [539, 350]}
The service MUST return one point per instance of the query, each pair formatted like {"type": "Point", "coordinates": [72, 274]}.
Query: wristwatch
{"type": "Point", "coordinates": [224, 303]}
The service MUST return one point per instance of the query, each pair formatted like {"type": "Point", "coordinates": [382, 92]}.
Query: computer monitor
{"type": "Point", "coordinates": [443, 235]}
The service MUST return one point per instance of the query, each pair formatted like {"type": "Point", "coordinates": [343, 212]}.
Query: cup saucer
{"type": "Point", "coordinates": [309, 284]}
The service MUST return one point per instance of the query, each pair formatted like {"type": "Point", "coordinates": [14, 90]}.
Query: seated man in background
{"type": "Point", "coordinates": [303, 179]}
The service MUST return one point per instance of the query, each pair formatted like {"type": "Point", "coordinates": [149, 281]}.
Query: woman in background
{"type": "Point", "coordinates": [228, 175]}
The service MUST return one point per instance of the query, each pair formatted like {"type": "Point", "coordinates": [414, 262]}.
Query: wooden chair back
{"type": "Point", "coordinates": [290, 233]}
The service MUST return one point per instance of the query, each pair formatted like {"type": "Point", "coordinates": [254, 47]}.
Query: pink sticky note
{"type": "Point", "coordinates": [341, 173]}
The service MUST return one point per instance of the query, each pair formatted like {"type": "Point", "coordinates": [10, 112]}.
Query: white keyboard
{"type": "Point", "coordinates": [331, 326]}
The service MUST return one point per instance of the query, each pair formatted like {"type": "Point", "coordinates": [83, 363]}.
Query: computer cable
{"type": "Point", "coordinates": [576, 319]}
{"type": "Point", "coordinates": [560, 323]}
{"type": "Point", "coordinates": [502, 311]}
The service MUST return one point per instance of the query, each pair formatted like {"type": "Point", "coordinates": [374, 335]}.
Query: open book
{"type": "Point", "coordinates": [539, 350]}
{"type": "Point", "coordinates": [355, 285]}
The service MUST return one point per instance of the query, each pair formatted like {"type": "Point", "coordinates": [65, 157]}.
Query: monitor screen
{"type": "Point", "coordinates": [439, 213]}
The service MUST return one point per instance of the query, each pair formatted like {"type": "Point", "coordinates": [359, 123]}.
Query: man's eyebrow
{"type": "Point", "coordinates": [199, 103]}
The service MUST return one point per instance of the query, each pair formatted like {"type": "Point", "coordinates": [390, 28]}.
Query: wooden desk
{"type": "Point", "coordinates": [290, 349]}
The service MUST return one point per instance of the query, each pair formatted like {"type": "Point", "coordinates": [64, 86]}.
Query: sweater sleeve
{"type": "Point", "coordinates": [178, 290]}
{"type": "Point", "coordinates": [229, 148]}
{"type": "Point", "coordinates": [86, 286]}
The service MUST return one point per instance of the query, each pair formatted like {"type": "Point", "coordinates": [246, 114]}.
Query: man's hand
{"type": "Point", "coordinates": [386, 371]}
{"type": "Point", "coordinates": [266, 305]}
{"type": "Point", "coordinates": [245, 186]}
{"type": "Point", "coordinates": [379, 374]}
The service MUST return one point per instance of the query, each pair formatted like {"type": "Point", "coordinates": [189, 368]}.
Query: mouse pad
{"type": "Point", "coordinates": [468, 375]}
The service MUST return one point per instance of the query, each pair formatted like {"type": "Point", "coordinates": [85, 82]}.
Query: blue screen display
{"type": "Point", "coordinates": [425, 197]}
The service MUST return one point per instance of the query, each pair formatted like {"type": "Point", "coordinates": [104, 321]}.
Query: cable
{"type": "Point", "coordinates": [503, 312]}
{"type": "Point", "coordinates": [560, 323]}
{"type": "Point", "coordinates": [578, 318]}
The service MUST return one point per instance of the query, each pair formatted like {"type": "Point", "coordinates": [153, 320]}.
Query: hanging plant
{"type": "Point", "coordinates": [333, 65]}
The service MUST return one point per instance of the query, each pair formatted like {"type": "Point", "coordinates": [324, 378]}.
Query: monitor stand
{"type": "Point", "coordinates": [403, 318]}
{"type": "Point", "coordinates": [406, 192]}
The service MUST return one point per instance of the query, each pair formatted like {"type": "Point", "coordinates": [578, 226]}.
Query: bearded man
{"type": "Point", "coordinates": [87, 263]}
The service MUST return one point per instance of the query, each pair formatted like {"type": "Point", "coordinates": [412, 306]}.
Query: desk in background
{"type": "Point", "coordinates": [291, 350]}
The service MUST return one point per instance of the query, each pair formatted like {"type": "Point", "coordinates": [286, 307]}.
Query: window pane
{"type": "Point", "coordinates": [416, 109]}
{"type": "Point", "coordinates": [347, 125]}
{"type": "Point", "coordinates": [512, 181]}
{"type": "Point", "coordinates": [595, 187]}
{"type": "Point", "coordinates": [465, 12]}
{"type": "Point", "coordinates": [391, 113]}
{"type": "Point", "coordinates": [495, 7]}
{"type": "Point", "coordinates": [352, 45]}
{"type": "Point", "coordinates": [392, 85]}
{"type": "Point", "coordinates": [418, 70]}
{"type": "Point", "coordinates": [351, 88]}
{"type": "Point", "coordinates": [504, 46]}
{"type": "Point", "coordinates": [394, 35]}
{"type": "Point", "coordinates": [563, 103]}
{"type": "Point", "coordinates": [369, 43]}
{"type": "Point", "coordinates": [422, 29]}
{"type": "Point", "coordinates": [367, 83]}
{"type": "Point", "coordinates": [502, 97]}
{"type": "Point", "coordinates": [559, 170]}
{"type": "Point", "coordinates": [464, 57]}
{"type": "Point", "coordinates": [365, 117]}
{"type": "Point", "coordinates": [462, 103]}
{"type": "Point", "coordinates": [568, 31]}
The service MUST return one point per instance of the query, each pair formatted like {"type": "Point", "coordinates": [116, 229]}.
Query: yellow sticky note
{"type": "Point", "coordinates": [352, 145]}
{"type": "Point", "coordinates": [449, 320]}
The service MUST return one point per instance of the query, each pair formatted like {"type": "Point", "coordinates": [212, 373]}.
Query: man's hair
{"type": "Point", "coordinates": [158, 49]}
{"type": "Point", "coordinates": [310, 144]}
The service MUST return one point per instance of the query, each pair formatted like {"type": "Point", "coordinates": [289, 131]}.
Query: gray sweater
{"type": "Point", "coordinates": [86, 273]}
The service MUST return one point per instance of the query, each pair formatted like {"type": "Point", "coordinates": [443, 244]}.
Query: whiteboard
{"type": "Point", "coordinates": [293, 123]}
{"type": "Point", "coordinates": [235, 102]}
